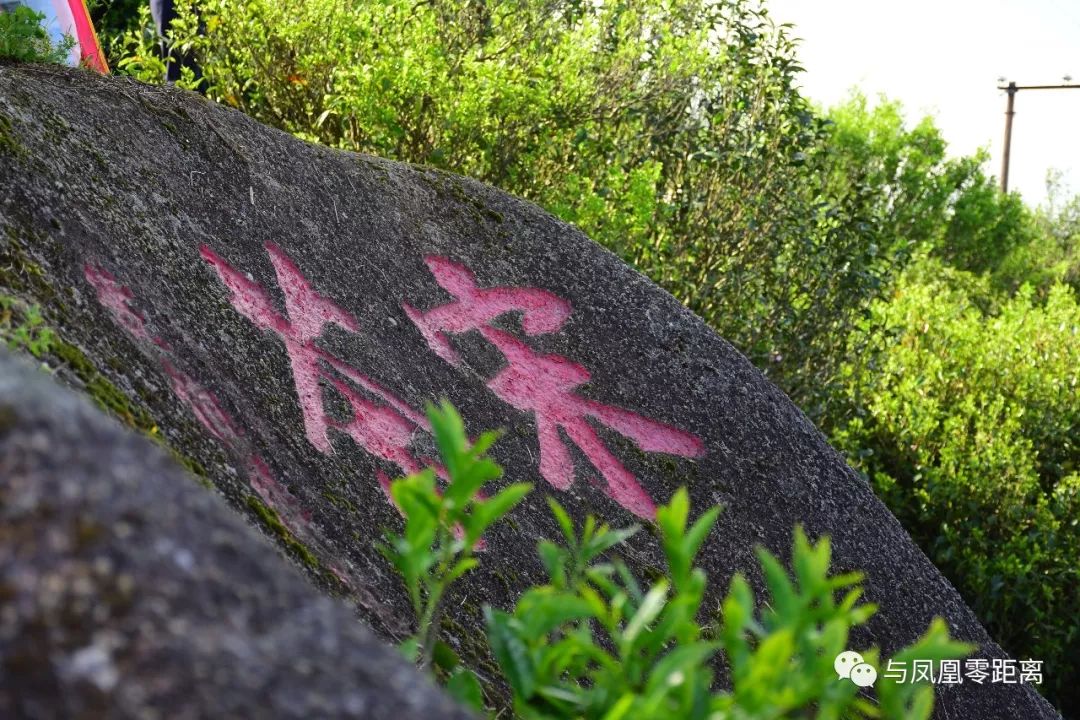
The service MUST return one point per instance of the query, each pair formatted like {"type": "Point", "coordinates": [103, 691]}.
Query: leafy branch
{"type": "Point", "coordinates": [594, 644]}
{"type": "Point", "coordinates": [443, 528]}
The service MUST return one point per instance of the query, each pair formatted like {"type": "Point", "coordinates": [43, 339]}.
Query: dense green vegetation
{"type": "Point", "coordinates": [593, 644]}
{"type": "Point", "coordinates": [965, 416]}
{"type": "Point", "coordinates": [927, 322]}
{"type": "Point", "coordinates": [23, 38]}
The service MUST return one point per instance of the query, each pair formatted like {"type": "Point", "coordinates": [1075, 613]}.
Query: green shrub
{"type": "Point", "coordinates": [986, 226]}
{"type": "Point", "coordinates": [673, 133]}
{"type": "Point", "coordinates": [23, 38]}
{"type": "Point", "coordinates": [112, 19]}
{"type": "Point", "coordinates": [901, 172]}
{"type": "Point", "coordinates": [442, 529]}
{"type": "Point", "coordinates": [593, 643]}
{"type": "Point", "coordinates": [967, 422]}
{"type": "Point", "coordinates": [1053, 254]}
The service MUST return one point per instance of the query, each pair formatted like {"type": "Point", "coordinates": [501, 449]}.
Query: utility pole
{"type": "Point", "coordinates": [1009, 112]}
{"type": "Point", "coordinates": [1011, 89]}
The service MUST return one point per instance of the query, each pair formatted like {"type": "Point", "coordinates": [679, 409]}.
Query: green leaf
{"type": "Point", "coordinates": [672, 517]}
{"type": "Point", "coordinates": [779, 584]}
{"type": "Point", "coordinates": [541, 611]}
{"type": "Point", "coordinates": [487, 512]}
{"type": "Point", "coordinates": [554, 560]}
{"type": "Point", "coordinates": [811, 562]}
{"type": "Point", "coordinates": [510, 652]}
{"type": "Point", "coordinates": [697, 533]}
{"type": "Point", "coordinates": [621, 708]}
{"type": "Point", "coordinates": [471, 475]}
{"type": "Point", "coordinates": [649, 610]}
{"type": "Point", "coordinates": [597, 605]}
{"type": "Point", "coordinates": [410, 648]}
{"type": "Point", "coordinates": [574, 698]}
{"type": "Point", "coordinates": [485, 442]}
{"type": "Point", "coordinates": [628, 580]}
{"type": "Point", "coordinates": [565, 524]}
{"type": "Point", "coordinates": [464, 687]}
{"type": "Point", "coordinates": [443, 656]}
{"type": "Point", "coordinates": [606, 540]}
{"type": "Point", "coordinates": [680, 664]}
{"type": "Point", "coordinates": [449, 431]}
{"type": "Point", "coordinates": [460, 568]}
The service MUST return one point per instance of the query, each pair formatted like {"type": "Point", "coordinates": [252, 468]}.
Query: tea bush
{"type": "Point", "coordinates": [966, 420]}
{"type": "Point", "coordinates": [594, 644]}
{"type": "Point", "coordinates": [1053, 254]}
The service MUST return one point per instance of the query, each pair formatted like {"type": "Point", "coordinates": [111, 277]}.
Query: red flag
{"type": "Point", "coordinates": [89, 47]}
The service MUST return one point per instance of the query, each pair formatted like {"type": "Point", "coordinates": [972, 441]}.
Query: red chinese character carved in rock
{"type": "Point", "coordinates": [382, 428]}
{"type": "Point", "coordinates": [208, 411]}
{"type": "Point", "coordinates": [473, 307]}
{"type": "Point", "coordinates": [115, 297]}
{"type": "Point", "coordinates": [202, 402]}
{"type": "Point", "coordinates": [544, 385]}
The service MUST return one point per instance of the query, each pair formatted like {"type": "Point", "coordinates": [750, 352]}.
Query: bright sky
{"type": "Point", "coordinates": [943, 57]}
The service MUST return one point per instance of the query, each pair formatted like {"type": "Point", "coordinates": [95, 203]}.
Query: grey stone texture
{"type": "Point", "coordinates": [129, 591]}
{"type": "Point", "coordinates": [138, 183]}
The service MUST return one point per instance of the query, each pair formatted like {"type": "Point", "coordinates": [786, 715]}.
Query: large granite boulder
{"type": "Point", "coordinates": [278, 314]}
{"type": "Point", "coordinates": [129, 591]}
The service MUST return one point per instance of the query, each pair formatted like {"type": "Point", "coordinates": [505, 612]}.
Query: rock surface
{"type": "Point", "coordinates": [279, 313]}
{"type": "Point", "coordinates": [128, 591]}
